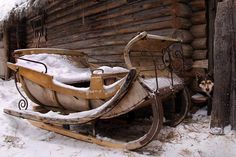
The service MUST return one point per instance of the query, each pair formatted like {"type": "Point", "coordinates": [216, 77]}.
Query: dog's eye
{"type": "Point", "coordinates": [202, 83]}
{"type": "Point", "coordinates": [209, 82]}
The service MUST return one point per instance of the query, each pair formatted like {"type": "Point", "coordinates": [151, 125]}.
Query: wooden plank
{"type": "Point", "coordinates": [113, 40]}
{"type": "Point", "coordinates": [211, 10]}
{"type": "Point", "coordinates": [85, 32]}
{"type": "Point", "coordinates": [181, 10]}
{"type": "Point", "coordinates": [233, 75]}
{"type": "Point", "coordinates": [89, 11]}
{"type": "Point", "coordinates": [181, 23]}
{"type": "Point", "coordinates": [197, 5]}
{"type": "Point", "coordinates": [199, 54]}
{"type": "Point", "coordinates": [200, 64]}
{"type": "Point", "coordinates": [106, 58]}
{"type": "Point", "coordinates": [199, 17]}
{"type": "Point", "coordinates": [1, 44]}
{"type": "Point", "coordinates": [199, 31]}
{"type": "Point", "coordinates": [63, 9]}
{"type": "Point", "coordinates": [187, 50]}
{"type": "Point", "coordinates": [183, 35]}
{"type": "Point", "coordinates": [199, 43]}
{"type": "Point", "coordinates": [222, 66]}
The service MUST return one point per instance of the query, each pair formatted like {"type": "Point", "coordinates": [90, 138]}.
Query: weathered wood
{"type": "Point", "coordinates": [86, 33]}
{"type": "Point", "coordinates": [183, 35]}
{"type": "Point", "coordinates": [199, 54]}
{"type": "Point", "coordinates": [1, 44]}
{"type": "Point", "coordinates": [182, 23]}
{"type": "Point", "coordinates": [233, 75]}
{"type": "Point", "coordinates": [199, 31]}
{"type": "Point", "coordinates": [82, 14]}
{"type": "Point", "coordinates": [199, 17]}
{"type": "Point", "coordinates": [70, 7]}
{"type": "Point", "coordinates": [197, 5]}
{"type": "Point", "coordinates": [222, 66]}
{"type": "Point", "coordinates": [211, 10]}
{"type": "Point", "coordinates": [187, 50]}
{"type": "Point", "coordinates": [200, 64]}
{"type": "Point", "coordinates": [199, 43]}
{"type": "Point", "coordinates": [181, 10]}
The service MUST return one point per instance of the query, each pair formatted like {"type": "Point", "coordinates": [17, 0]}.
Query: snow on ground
{"type": "Point", "coordinates": [190, 139]}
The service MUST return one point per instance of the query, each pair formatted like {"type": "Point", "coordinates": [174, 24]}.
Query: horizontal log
{"type": "Point", "coordinates": [136, 8]}
{"type": "Point", "coordinates": [200, 64]}
{"type": "Point", "coordinates": [197, 5]}
{"type": "Point", "coordinates": [70, 7]}
{"type": "Point", "coordinates": [109, 31]}
{"type": "Point", "coordinates": [163, 32]}
{"type": "Point", "coordinates": [183, 35]}
{"type": "Point", "coordinates": [108, 50]}
{"type": "Point", "coordinates": [122, 30]}
{"type": "Point", "coordinates": [187, 50]}
{"type": "Point", "coordinates": [188, 64]}
{"type": "Point", "coordinates": [199, 17]}
{"type": "Point", "coordinates": [182, 23]}
{"type": "Point", "coordinates": [106, 58]}
{"type": "Point", "coordinates": [158, 14]}
{"type": "Point", "coordinates": [181, 10]}
{"type": "Point", "coordinates": [199, 43]}
{"type": "Point", "coordinates": [1, 44]}
{"type": "Point", "coordinates": [199, 31]}
{"type": "Point", "coordinates": [72, 28]}
{"type": "Point", "coordinates": [82, 13]}
{"type": "Point", "coordinates": [199, 54]}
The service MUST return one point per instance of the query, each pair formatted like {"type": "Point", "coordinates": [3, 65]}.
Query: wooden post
{"type": "Point", "coordinates": [233, 75]}
{"type": "Point", "coordinates": [211, 13]}
{"type": "Point", "coordinates": [224, 46]}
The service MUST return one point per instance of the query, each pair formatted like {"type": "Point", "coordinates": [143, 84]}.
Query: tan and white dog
{"type": "Point", "coordinates": [206, 85]}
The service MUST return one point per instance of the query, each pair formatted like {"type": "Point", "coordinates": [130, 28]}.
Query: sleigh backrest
{"type": "Point", "coordinates": [154, 55]}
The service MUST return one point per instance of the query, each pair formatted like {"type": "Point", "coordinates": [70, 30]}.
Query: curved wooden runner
{"type": "Point", "coordinates": [132, 145]}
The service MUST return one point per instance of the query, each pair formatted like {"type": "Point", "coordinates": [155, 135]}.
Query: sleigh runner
{"type": "Point", "coordinates": [102, 95]}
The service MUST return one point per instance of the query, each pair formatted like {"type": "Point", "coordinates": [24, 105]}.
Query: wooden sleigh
{"type": "Point", "coordinates": [106, 95]}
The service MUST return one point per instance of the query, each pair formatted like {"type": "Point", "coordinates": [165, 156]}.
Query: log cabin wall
{"type": "Point", "coordinates": [200, 34]}
{"type": "Point", "coordinates": [102, 28]}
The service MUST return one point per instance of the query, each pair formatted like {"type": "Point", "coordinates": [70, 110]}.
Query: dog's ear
{"type": "Point", "coordinates": [198, 77]}
{"type": "Point", "coordinates": [210, 76]}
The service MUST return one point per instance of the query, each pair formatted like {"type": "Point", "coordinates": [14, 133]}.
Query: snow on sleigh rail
{"type": "Point", "coordinates": [86, 95]}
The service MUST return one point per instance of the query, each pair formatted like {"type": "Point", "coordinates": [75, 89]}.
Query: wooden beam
{"type": "Point", "coordinates": [233, 75]}
{"type": "Point", "coordinates": [200, 64]}
{"type": "Point", "coordinates": [222, 67]}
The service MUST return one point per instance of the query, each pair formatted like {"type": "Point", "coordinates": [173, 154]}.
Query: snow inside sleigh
{"type": "Point", "coordinates": [68, 90]}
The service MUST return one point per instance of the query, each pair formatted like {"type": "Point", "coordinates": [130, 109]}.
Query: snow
{"type": "Point", "coordinates": [189, 139]}
{"type": "Point", "coordinates": [20, 139]}
{"type": "Point", "coordinates": [77, 115]}
{"type": "Point", "coordinates": [7, 5]}
{"type": "Point", "coordinates": [162, 82]}
{"type": "Point", "coordinates": [64, 68]}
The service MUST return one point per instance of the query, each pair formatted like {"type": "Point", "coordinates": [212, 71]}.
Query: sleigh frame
{"type": "Point", "coordinates": [130, 90]}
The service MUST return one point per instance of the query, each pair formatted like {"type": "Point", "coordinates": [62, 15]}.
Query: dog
{"type": "Point", "coordinates": [206, 85]}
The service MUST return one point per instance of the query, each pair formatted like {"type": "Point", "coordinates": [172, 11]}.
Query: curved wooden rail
{"type": "Point", "coordinates": [80, 117]}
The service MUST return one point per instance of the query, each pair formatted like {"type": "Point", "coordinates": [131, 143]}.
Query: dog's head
{"type": "Point", "coordinates": [206, 84]}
